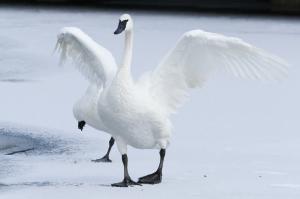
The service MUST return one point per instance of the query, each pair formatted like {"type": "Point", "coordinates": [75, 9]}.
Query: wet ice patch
{"type": "Point", "coordinates": [24, 149]}
{"type": "Point", "coordinates": [10, 144]}
{"type": "Point", "coordinates": [15, 141]}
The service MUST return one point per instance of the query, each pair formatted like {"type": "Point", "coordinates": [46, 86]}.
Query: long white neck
{"type": "Point", "coordinates": [126, 64]}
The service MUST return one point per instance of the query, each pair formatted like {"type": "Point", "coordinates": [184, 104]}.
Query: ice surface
{"type": "Point", "coordinates": [233, 139]}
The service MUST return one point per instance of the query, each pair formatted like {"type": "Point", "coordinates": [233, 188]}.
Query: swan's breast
{"type": "Point", "coordinates": [130, 115]}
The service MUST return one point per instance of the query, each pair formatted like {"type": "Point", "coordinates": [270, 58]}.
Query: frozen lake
{"type": "Point", "coordinates": [233, 139]}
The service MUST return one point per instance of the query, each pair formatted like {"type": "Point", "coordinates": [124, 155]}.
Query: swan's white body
{"type": "Point", "coordinates": [72, 40]}
{"type": "Point", "coordinates": [85, 109]}
{"type": "Point", "coordinates": [133, 117]}
{"type": "Point", "coordinates": [137, 113]}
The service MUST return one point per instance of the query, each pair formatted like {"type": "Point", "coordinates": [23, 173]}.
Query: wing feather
{"type": "Point", "coordinates": [92, 60]}
{"type": "Point", "coordinates": [198, 54]}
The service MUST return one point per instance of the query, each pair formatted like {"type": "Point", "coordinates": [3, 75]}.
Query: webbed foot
{"type": "Point", "coordinates": [125, 183]}
{"type": "Point", "coordinates": [103, 159]}
{"type": "Point", "coordinates": [154, 178]}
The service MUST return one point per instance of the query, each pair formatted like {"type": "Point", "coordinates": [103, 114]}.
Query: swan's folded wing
{"type": "Point", "coordinates": [198, 54]}
{"type": "Point", "coordinates": [93, 61]}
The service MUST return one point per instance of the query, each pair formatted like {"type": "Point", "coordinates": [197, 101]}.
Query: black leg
{"type": "Point", "coordinates": [127, 180]}
{"type": "Point", "coordinates": [155, 177]}
{"type": "Point", "coordinates": [105, 158]}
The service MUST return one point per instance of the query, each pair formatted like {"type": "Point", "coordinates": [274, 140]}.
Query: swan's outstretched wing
{"type": "Point", "coordinates": [198, 54]}
{"type": "Point", "coordinates": [94, 62]}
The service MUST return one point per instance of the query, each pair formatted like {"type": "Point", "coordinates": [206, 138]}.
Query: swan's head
{"type": "Point", "coordinates": [81, 124]}
{"type": "Point", "coordinates": [78, 114]}
{"type": "Point", "coordinates": [125, 24]}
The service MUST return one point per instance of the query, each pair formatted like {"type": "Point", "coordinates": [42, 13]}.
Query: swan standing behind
{"type": "Point", "coordinates": [137, 113]}
{"type": "Point", "coordinates": [85, 109]}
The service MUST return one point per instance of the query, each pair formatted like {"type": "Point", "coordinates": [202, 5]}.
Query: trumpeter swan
{"type": "Point", "coordinates": [85, 112]}
{"type": "Point", "coordinates": [137, 113]}
{"type": "Point", "coordinates": [85, 109]}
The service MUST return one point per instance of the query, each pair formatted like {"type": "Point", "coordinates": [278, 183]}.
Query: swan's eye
{"type": "Point", "coordinates": [121, 26]}
{"type": "Point", "coordinates": [123, 23]}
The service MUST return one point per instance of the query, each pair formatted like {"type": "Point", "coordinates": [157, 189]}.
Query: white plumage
{"type": "Point", "coordinates": [137, 113]}
{"type": "Point", "coordinates": [93, 61]}
{"type": "Point", "coordinates": [98, 66]}
{"type": "Point", "coordinates": [85, 109]}
{"type": "Point", "coordinates": [198, 54]}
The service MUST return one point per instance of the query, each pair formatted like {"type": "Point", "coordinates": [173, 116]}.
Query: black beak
{"type": "Point", "coordinates": [81, 124]}
{"type": "Point", "coordinates": [121, 27]}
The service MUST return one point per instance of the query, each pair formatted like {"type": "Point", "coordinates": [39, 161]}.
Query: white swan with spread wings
{"type": "Point", "coordinates": [137, 113]}
{"type": "Point", "coordinates": [94, 61]}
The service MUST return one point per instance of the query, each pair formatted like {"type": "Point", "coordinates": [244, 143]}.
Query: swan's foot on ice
{"type": "Point", "coordinates": [106, 157]}
{"type": "Point", "coordinates": [127, 180]}
{"type": "Point", "coordinates": [154, 178]}
{"type": "Point", "coordinates": [103, 159]}
{"type": "Point", "coordinates": [126, 183]}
